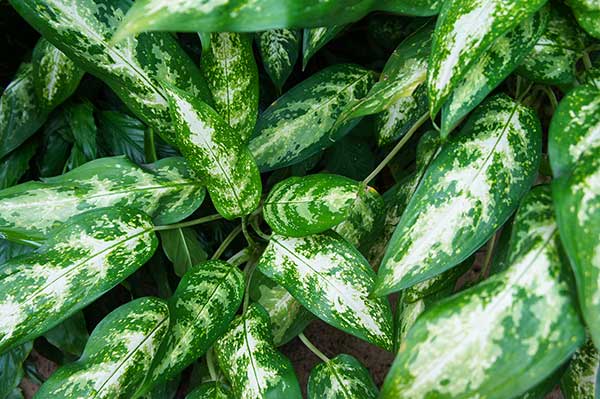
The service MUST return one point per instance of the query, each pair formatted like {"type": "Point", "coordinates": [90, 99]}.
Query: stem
{"type": "Point", "coordinates": [248, 272]}
{"type": "Point", "coordinates": [190, 223]}
{"type": "Point", "coordinates": [587, 62]}
{"type": "Point", "coordinates": [551, 97]}
{"type": "Point", "coordinates": [258, 231]}
{"type": "Point", "coordinates": [397, 148]}
{"type": "Point", "coordinates": [228, 240]}
{"type": "Point", "coordinates": [240, 257]}
{"type": "Point", "coordinates": [149, 146]}
{"type": "Point", "coordinates": [247, 235]}
{"type": "Point", "coordinates": [210, 363]}
{"type": "Point", "coordinates": [488, 256]}
{"type": "Point", "coordinates": [312, 348]}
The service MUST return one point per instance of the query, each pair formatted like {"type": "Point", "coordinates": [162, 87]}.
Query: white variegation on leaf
{"type": "Point", "coordinates": [580, 380]}
{"type": "Point", "coordinates": [279, 49]}
{"type": "Point", "coordinates": [314, 39]}
{"type": "Point", "coordinates": [341, 377]}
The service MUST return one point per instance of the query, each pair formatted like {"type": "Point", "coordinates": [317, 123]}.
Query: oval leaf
{"type": "Point", "coordinates": [183, 248]}
{"type": "Point", "coordinates": [341, 377]}
{"type": "Point", "coordinates": [279, 50]}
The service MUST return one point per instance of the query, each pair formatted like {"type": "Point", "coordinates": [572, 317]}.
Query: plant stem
{"type": "Point", "coordinates": [312, 348]}
{"type": "Point", "coordinates": [587, 62]}
{"type": "Point", "coordinates": [248, 272]}
{"type": "Point", "coordinates": [257, 230]}
{"type": "Point", "coordinates": [210, 363]}
{"type": "Point", "coordinates": [551, 97]}
{"type": "Point", "coordinates": [228, 240]}
{"type": "Point", "coordinates": [240, 257]}
{"type": "Point", "coordinates": [397, 148]}
{"type": "Point", "coordinates": [149, 146]}
{"type": "Point", "coordinates": [247, 235]}
{"type": "Point", "coordinates": [488, 257]}
{"type": "Point", "coordinates": [190, 223]}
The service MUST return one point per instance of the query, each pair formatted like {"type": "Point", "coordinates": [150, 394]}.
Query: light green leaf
{"type": "Point", "coordinates": [55, 76]}
{"type": "Point", "coordinates": [279, 50]}
{"type": "Point", "coordinates": [342, 377]}
{"type": "Point", "coordinates": [301, 122]}
{"type": "Point", "coordinates": [82, 260]}
{"type": "Point", "coordinates": [300, 206]}
{"type": "Point", "coordinates": [14, 165]}
{"type": "Point", "coordinates": [522, 323]}
{"type": "Point", "coordinates": [202, 308]}
{"type": "Point", "coordinates": [397, 119]}
{"type": "Point", "coordinates": [217, 155]}
{"type": "Point", "coordinates": [117, 356]}
{"type": "Point", "coordinates": [553, 58]}
{"type": "Point", "coordinates": [314, 39]}
{"type": "Point", "coordinates": [164, 190]}
{"type": "Point", "coordinates": [587, 13]}
{"type": "Point", "coordinates": [465, 30]}
{"type": "Point", "coordinates": [494, 65]}
{"type": "Point", "coordinates": [468, 191]}
{"type": "Point", "coordinates": [183, 248]}
{"type": "Point", "coordinates": [329, 277]}
{"type": "Point", "coordinates": [232, 76]}
{"type": "Point", "coordinates": [210, 390]}
{"type": "Point", "coordinates": [252, 365]}
{"type": "Point", "coordinates": [581, 377]}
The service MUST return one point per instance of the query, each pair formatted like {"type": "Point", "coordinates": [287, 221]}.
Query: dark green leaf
{"type": "Point", "coordinates": [70, 336]}
{"type": "Point", "coordinates": [314, 39]}
{"type": "Point", "coordinates": [580, 378]}
{"type": "Point", "coordinates": [183, 248]}
{"type": "Point", "coordinates": [210, 390]}
{"type": "Point", "coordinates": [11, 369]}
{"type": "Point", "coordinates": [339, 378]}
{"type": "Point", "coordinates": [14, 165]}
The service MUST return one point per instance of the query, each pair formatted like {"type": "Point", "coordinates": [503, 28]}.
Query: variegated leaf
{"type": "Point", "coordinates": [494, 65]}
{"type": "Point", "coordinates": [55, 76]}
{"type": "Point", "coordinates": [164, 190]}
{"type": "Point", "coordinates": [301, 122]}
{"type": "Point", "coordinates": [300, 206]}
{"type": "Point", "coordinates": [202, 308]}
{"type": "Point", "coordinates": [581, 377]}
{"type": "Point", "coordinates": [82, 260]}
{"type": "Point", "coordinates": [465, 30]}
{"type": "Point", "coordinates": [116, 357]}
{"type": "Point", "coordinates": [422, 8]}
{"type": "Point", "coordinates": [397, 119]}
{"type": "Point", "coordinates": [553, 58]}
{"type": "Point", "coordinates": [217, 155]}
{"type": "Point", "coordinates": [133, 68]}
{"type": "Point", "coordinates": [342, 377]}
{"type": "Point", "coordinates": [279, 49]}
{"type": "Point", "coordinates": [232, 76]}
{"type": "Point", "coordinates": [521, 324]}
{"type": "Point", "coordinates": [210, 390]}
{"type": "Point", "coordinates": [468, 191]}
{"type": "Point", "coordinates": [251, 363]}
{"type": "Point", "coordinates": [587, 13]}
{"type": "Point", "coordinates": [329, 277]}
{"type": "Point", "coordinates": [21, 113]}
{"type": "Point", "coordinates": [314, 39]}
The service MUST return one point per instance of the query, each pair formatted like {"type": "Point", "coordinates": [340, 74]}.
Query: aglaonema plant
{"type": "Point", "coordinates": [180, 212]}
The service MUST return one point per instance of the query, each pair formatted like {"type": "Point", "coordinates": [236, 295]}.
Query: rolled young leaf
{"type": "Point", "coordinates": [329, 277]}
{"type": "Point", "coordinates": [117, 356]}
{"type": "Point", "coordinates": [314, 39]}
{"type": "Point", "coordinates": [163, 190]}
{"type": "Point", "coordinates": [465, 30]}
{"type": "Point", "coordinates": [341, 377]}
{"type": "Point", "coordinates": [252, 365]}
{"type": "Point", "coordinates": [300, 206]}
{"type": "Point", "coordinates": [301, 122]}
{"type": "Point", "coordinates": [492, 339]}
{"type": "Point", "coordinates": [468, 191]}
{"type": "Point", "coordinates": [279, 50]}
{"type": "Point", "coordinates": [82, 260]}
{"type": "Point", "coordinates": [202, 308]}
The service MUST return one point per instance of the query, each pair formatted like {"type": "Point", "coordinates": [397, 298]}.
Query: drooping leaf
{"type": "Point", "coordinates": [117, 356]}
{"type": "Point", "coordinates": [210, 390]}
{"type": "Point", "coordinates": [14, 165]}
{"type": "Point", "coordinates": [468, 191]}
{"type": "Point", "coordinates": [70, 336]}
{"type": "Point", "coordinates": [232, 76]}
{"type": "Point", "coordinates": [340, 378]}
{"type": "Point", "coordinates": [581, 377]}
{"type": "Point", "coordinates": [55, 76]}
{"type": "Point", "coordinates": [217, 154]}
{"type": "Point", "coordinates": [465, 30]}
{"type": "Point", "coordinates": [553, 58]}
{"type": "Point", "coordinates": [587, 13]}
{"type": "Point", "coordinates": [279, 49]}
{"type": "Point", "coordinates": [250, 362]}
{"type": "Point", "coordinates": [202, 308]}
{"type": "Point", "coordinates": [82, 260]}
{"type": "Point", "coordinates": [300, 206]}
{"type": "Point", "coordinates": [397, 119]}
{"type": "Point", "coordinates": [301, 122]}
{"type": "Point", "coordinates": [314, 39]}
{"type": "Point", "coordinates": [494, 65]}
{"type": "Point", "coordinates": [164, 190]}
{"type": "Point", "coordinates": [11, 368]}
{"type": "Point", "coordinates": [183, 248]}
{"type": "Point", "coordinates": [329, 277]}
{"type": "Point", "coordinates": [511, 345]}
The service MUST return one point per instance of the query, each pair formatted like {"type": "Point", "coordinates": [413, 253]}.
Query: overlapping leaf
{"type": "Point", "coordinates": [314, 39]}
{"type": "Point", "coordinates": [14, 165]}
{"type": "Point", "coordinates": [279, 49]}
{"type": "Point", "coordinates": [183, 247]}
{"type": "Point", "coordinates": [580, 380]}
{"type": "Point", "coordinates": [341, 377]}
{"type": "Point", "coordinates": [587, 13]}
{"type": "Point", "coordinates": [210, 390]}
{"type": "Point", "coordinates": [397, 119]}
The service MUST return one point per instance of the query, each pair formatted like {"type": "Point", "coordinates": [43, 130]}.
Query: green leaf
{"type": "Point", "coordinates": [11, 368]}
{"type": "Point", "coordinates": [117, 356]}
{"type": "Point", "coordinates": [587, 13]}
{"type": "Point", "coordinates": [339, 378]}
{"type": "Point", "coordinates": [250, 362]}
{"type": "Point", "coordinates": [10, 250]}
{"type": "Point", "coordinates": [473, 186]}
{"type": "Point", "coordinates": [217, 155]}
{"type": "Point", "coordinates": [279, 50]}
{"type": "Point", "coordinates": [210, 390]}
{"type": "Point", "coordinates": [70, 336]}
{"type": "Point", "coordinates": [164, 190]}
{"type": "Point", "coordinates": [183, 248]}
{"type": "Point", "coordinates": [133, 68]}
{"type": "Point", "coordinates": [397, 118]}
{"type": "Point", "coordinates": [314, 39]}
{"type": "Point", "coordinates": [21, 113]}
{"type": "Point", "coordinates": [329, 277]}
{"type": "Point", "coordinates": [581, 377]}
{"type": "Point", "coordinates": [80, 118]}
{"type": "Point", "coordinates": [202, 308]}
{"type": "Point", "coordinates": [553, 58]}
{"type": "Point", "coordinates": [301, 122]}
{"type": "Point", "coordinates": [512, 345]}
{"type": "Point", "coordinates": [14, 165]}
{"type": "Point", "coordinates": [351, 157]}
{"type": "Point", "coordinates": [232, 76]}
{"type": "Point", "coordinates": [82, 260]}
{"type": "Point", "coordinates": [492, 68]}
{"type": "Point", "coordinates": [465, 30]}
{"type": "Point", "coordinates": [55, 76]}
{"type": "Point", "coordinates": [422, 8]}
{"type": "Point", "coordinates": [300, 206]}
